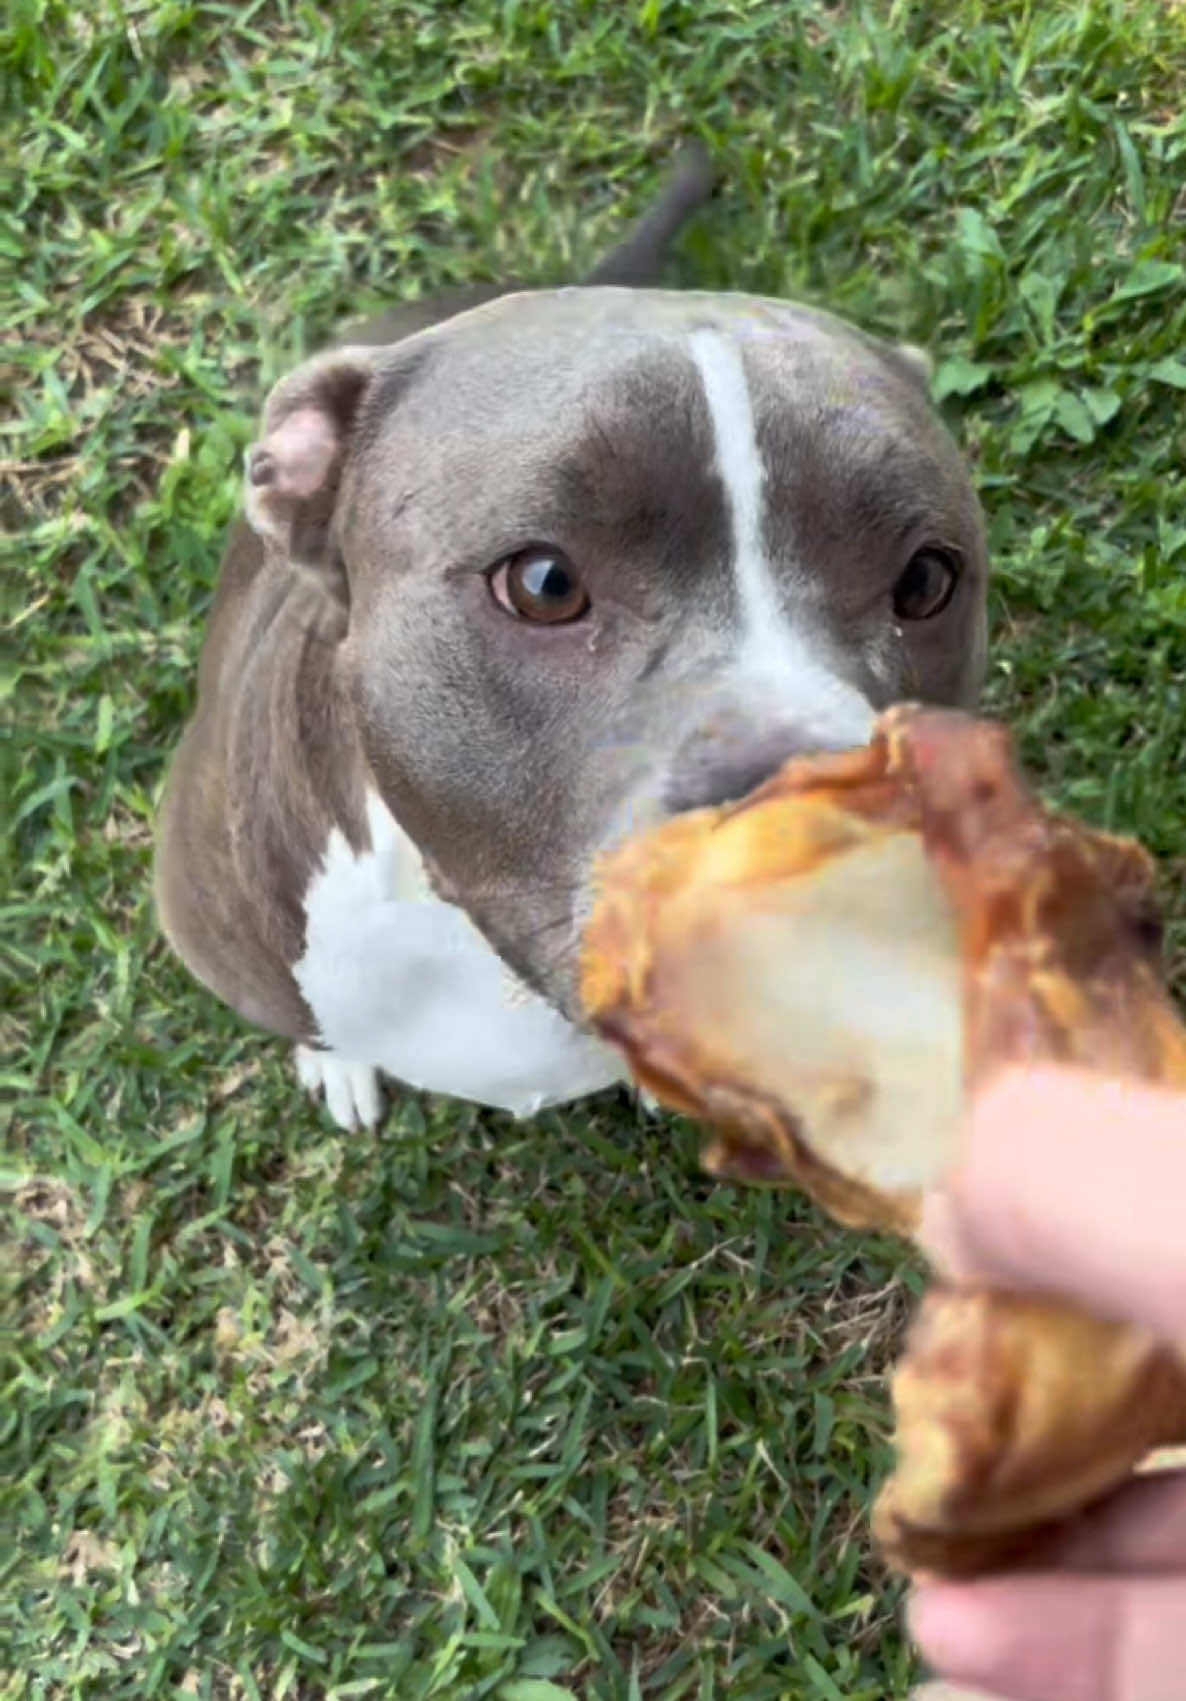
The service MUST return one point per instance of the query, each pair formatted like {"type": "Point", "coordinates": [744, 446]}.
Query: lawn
{"type": "Point", "coordinates": [471, 1408]}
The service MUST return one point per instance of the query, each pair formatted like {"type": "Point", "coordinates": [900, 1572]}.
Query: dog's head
{"type": "Point", "coordinates": [602, 555]}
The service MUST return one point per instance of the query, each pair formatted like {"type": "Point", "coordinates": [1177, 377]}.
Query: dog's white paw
{"type": "Point", "coordinates": [353, 1096]}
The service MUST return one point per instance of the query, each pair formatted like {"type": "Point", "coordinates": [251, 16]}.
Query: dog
{"type": "Point", "coordinates": [519, 576]}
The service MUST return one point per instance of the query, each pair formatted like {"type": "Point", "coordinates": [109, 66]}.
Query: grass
{"type": "Point", "coordinates": [471, 1409]}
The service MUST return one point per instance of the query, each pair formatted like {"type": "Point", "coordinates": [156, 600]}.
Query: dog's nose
{"type": "Point", "coordinates": [724, 765]}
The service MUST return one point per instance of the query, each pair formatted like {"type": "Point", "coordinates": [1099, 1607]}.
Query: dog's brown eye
{"type": "Point", "coordinates": [540, 585]}
{"type": "Point", "coordinates": [927, 585]}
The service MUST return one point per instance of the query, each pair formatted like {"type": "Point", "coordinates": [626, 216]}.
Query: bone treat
{"type": "Point", "coordinates": [823, 972]}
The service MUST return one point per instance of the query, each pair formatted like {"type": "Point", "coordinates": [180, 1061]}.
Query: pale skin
{"type": "Point", "coordinates": [1071, 1181]}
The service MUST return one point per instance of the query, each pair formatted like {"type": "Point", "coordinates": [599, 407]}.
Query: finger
{"type": "Point", "coordinates": [1057, 1638]}
{"type": "Point", "coordinates": [1142, 1528]}
{"type": "Point", "coordinates": [1071, 1183]}
{"type": "Point", "coordinates": [950, 1692]}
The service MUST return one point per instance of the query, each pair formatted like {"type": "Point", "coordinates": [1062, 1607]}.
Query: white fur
{"type": "Point", "coordinates": [401, 982]}
{"type": "Point", "coordinates": [775, 657]}
{"type": "Point", "coordinates": [352, 1094]}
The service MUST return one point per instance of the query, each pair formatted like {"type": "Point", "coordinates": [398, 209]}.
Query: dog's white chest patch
{"type": "Point", "coordinates": [397, 979]}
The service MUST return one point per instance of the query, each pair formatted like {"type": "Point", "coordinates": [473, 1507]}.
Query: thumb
{"type": "Point", "coordinates": [950, 1692]}
{"type": "Point", "coordinates": [1073, 1184]}
{"type": "Point", "coordinates": [1056, 1638]}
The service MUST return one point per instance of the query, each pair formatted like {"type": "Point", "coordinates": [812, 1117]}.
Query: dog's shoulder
{"type": "Point", "coordinates": [266, 772]}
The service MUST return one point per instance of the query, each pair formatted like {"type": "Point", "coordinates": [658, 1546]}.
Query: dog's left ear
{"type": "Point", "coordinates": [294, 470]}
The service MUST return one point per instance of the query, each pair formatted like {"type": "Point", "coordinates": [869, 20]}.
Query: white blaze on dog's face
{"type": "Point", "coordinates": [793, 678]}
{"type": "Point", "coordinates": [612, 554]}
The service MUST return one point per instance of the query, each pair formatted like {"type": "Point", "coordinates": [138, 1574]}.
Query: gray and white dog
{"type": "Point", "coordinates": [516, 580]}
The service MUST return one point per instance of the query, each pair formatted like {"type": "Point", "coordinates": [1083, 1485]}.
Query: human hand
{"type": "Point", "coordinates": [1075, 1185]}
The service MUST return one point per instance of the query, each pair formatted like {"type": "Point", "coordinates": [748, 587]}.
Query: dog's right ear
{"type": "Point", "coordinates": [294, 470]}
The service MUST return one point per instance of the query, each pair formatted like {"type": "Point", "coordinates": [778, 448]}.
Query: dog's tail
{"type": "Point", "coordinates": [638, 260]}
